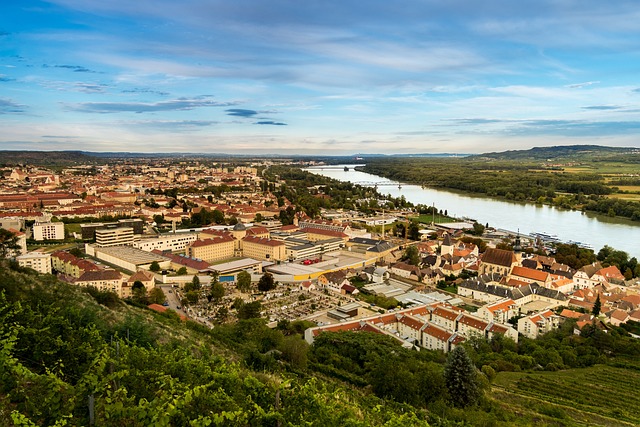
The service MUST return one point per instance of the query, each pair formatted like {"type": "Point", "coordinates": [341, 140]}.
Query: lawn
{"type": "Point", "coordinates": [600, 395]}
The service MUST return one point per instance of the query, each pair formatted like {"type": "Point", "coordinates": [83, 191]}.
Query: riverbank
{"type": "Point", "coordinates": [568, 225]}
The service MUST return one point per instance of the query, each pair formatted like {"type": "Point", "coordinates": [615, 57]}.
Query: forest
{"type": "Point", "coordinates": [583, 183]}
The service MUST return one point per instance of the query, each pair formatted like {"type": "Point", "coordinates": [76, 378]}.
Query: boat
{"type": "Point", "coordinates": [346, 169]}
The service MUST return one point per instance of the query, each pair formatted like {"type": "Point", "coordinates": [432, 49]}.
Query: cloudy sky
{"type": "Point", "coordinates": [307, 76]}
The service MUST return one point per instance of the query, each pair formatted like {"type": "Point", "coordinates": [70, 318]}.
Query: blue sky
{"type": "Point", "coordinates": [318, 77]}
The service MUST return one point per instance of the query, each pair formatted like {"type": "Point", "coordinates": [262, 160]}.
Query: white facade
{"type": "Point", "coordinates": [114, 236]}
{"type": "Point", "coordinates": [173, 242]}
{"type": "Point", "coordinates": [39, 261]}
{"type": "Point", "coordinates": [48, 231]}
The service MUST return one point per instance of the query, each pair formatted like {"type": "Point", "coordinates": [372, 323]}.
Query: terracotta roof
{"type": "Point", "coordinates": [570, 314]}
{"type": "Point", "coordinates": [501, 305]}
{"type": "Point", "coordinates": [212, 241]}
{"type": "Point", "coordinates": [263, 241]}
{"type": "Point", "coordinates": [473, 322]}
{"type": "Point", "coordinates": [436, 332]}
{"type": "Point", "coordinates": [411, 322]}
{"type": "Point", "coordinates": [142, 276]}
{"type": "Point", "coordinates": [93, 276]}
{"type": "Point", "coordinates": [530, 273]}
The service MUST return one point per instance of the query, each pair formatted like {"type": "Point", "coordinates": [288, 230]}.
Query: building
{"type": "Point", "coordinates": [39, 261]}
{"type": "Point", "coordinates": [103, 280]}
{"type": "Point", "coordinates": [538, 323]}
{"type": "Point", "coordinates": [213, 249]}
{"type": "Point", "coordinates": [70, 265]}
{"type": "Point", "coordinates": [499, 312]}
{"type": "Point", "coordinates": [127, 257]}
{"type": "Point", "coordinates": [145, 277]}
{"type": "Point", "coordinates": [168, 242]}
{"type": "Point", "coordinates": [117, 236]}
{"type": "Point", "coordinates": [48, 231]}
{"type": "Point", "coordinates": [497, 261]}
{"type": "Point", "coordinates": [263, 249]}
{"type": "Point", "coordinates": [88, 231]}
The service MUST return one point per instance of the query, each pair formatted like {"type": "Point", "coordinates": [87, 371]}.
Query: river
{"type": "Point", "coordinates": [595, 230]}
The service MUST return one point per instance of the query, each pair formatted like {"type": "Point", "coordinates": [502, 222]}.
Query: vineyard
{"type": "Point", "coordinates": [599, 395]}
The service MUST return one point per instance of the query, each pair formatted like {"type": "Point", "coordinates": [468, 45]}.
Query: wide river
{"type": "Point", "coordinates": [596, 230]}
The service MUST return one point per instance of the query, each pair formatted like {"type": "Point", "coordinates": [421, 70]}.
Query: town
{"type": "Point", "coordinates": [218, 241]}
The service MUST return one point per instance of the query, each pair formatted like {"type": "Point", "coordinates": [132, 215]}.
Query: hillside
{"type": "Point", "coordinates": [566, 153]}
{"type": "Point", "coordinates": [45, 158]}
{"type": "Point", "coordinates": [61, 349]}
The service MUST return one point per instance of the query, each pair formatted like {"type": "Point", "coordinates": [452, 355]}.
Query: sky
{"type": "Point", "coordinates": [318, 77]}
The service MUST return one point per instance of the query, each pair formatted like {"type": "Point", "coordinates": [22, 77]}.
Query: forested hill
{"type": "Point", "coordinates": [45, 158]}
{"type": "Point", "coordinates": [570, 152]}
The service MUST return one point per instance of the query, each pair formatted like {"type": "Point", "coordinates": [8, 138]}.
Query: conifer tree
{"type": "Point", "coordinates": [461, 378]}
{"type": "Point", "coordinates": [596, 307]}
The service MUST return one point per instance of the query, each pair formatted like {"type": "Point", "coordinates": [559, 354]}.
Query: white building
{"type": "Point", "coordinates": [171, 242]}
{"type": "Point", "coordinates": [48, 231]}
{"type": "Point", "coordinates": [39, 261]}
{"type": "Point", "coordinates": [114, 236]}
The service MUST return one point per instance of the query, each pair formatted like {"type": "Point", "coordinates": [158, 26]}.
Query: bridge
{"type": "Point", "coordinates": [376, 184]}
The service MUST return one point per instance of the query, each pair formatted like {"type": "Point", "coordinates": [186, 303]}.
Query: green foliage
{"type": "Point", "coordinates": [461, 377]}
{"type": "Point", "coordinates": [217, 291]}
{"type": "Point", "coordinates": [266, 283]}
{"type": "Point", "coordinates": [182, 271]}
{"type": "Point", "coordinates": [154, 266]}
{"type": "Point", "coordinates": [244, 281]}
{"type": "Point", "coordinates": [596, 307]}
{"type": "Point", "coordinates": [251, 310]}
{"type": "Point", "coordinates": [509, 178]}
{"type": "Point", "coordinates": [411, 255]}
{"type": "Point", "coordinates": [57, 349]}
{"type": "Point", "coordinates": [156, 296]}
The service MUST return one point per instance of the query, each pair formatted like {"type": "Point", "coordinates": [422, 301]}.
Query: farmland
{"type": "Point", "coordinates": [599, 395]}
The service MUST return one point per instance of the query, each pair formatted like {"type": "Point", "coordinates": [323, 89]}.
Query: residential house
{"type": "Point", "coordinates": [536, 324]}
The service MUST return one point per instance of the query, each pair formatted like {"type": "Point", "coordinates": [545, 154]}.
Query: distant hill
{"type": "Point", "coordinates": [45, 158]}
{"type": "Point", "coordinates": [562, 152]}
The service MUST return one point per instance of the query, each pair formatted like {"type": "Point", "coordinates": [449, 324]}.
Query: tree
{"type": "Point", "coordinates": [461, 378]}
{"type": "Point", "coordinates": [192, 297]}
{"type": "Point", "coordinates": [596, 307]}
{"type": "Point", "coordinates": [217, 291]}
{"type": "Point", "coordinates": [478, 229]}
{"type": "Point", "coordinates": [155, 267]}
{"type": "Point", "coordinates": [8, 243]}
{"type": "Point", "coordinates": [414, 231]}
{"type": "Point", "coordinates": [250, 310]}
{"type": "Point", "coordinates": [76, 252]}
{"type": "Point", "coordinates": [244, 281]}
{"type": "Point", "coordinates": [196, 282]}
{"type": "Point", "coordinates": [157, 296]}
{"type": "Point", "coordinates": [411, 255]}
{"type": "Point", "coordinates": [139, 292]}
{"type": "Point", "coordinates": [182, 271]}
{"type": "Point", "coordinates": [266, 283]}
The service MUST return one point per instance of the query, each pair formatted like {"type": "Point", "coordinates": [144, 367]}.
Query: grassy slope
{"type": "Point", "coordinates": [600, 395]}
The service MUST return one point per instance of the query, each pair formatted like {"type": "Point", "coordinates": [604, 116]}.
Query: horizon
{"type": "Point", "coordinates": [211, 77]}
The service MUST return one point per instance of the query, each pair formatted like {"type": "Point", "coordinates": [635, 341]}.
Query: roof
{"type": "Point", "coordinates": [142, 276]}
{"type": "Point", "coordinates": [501, 305]}
{"type": "Point", "coordinates": [530, 273]}
{"type": "Point", "coordinates": [212, 241]}
{"type": "Point", "coordinates": [263, 241]}
{"type": "Point", "coordinates": [99, 275]}
{"type": "Point", "coordinates": [499, 257]}
{"type": "Point", "coordinates": [324, 232]}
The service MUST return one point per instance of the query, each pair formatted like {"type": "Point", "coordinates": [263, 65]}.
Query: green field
{"type": "Point", "coordinates": [600, 395]}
